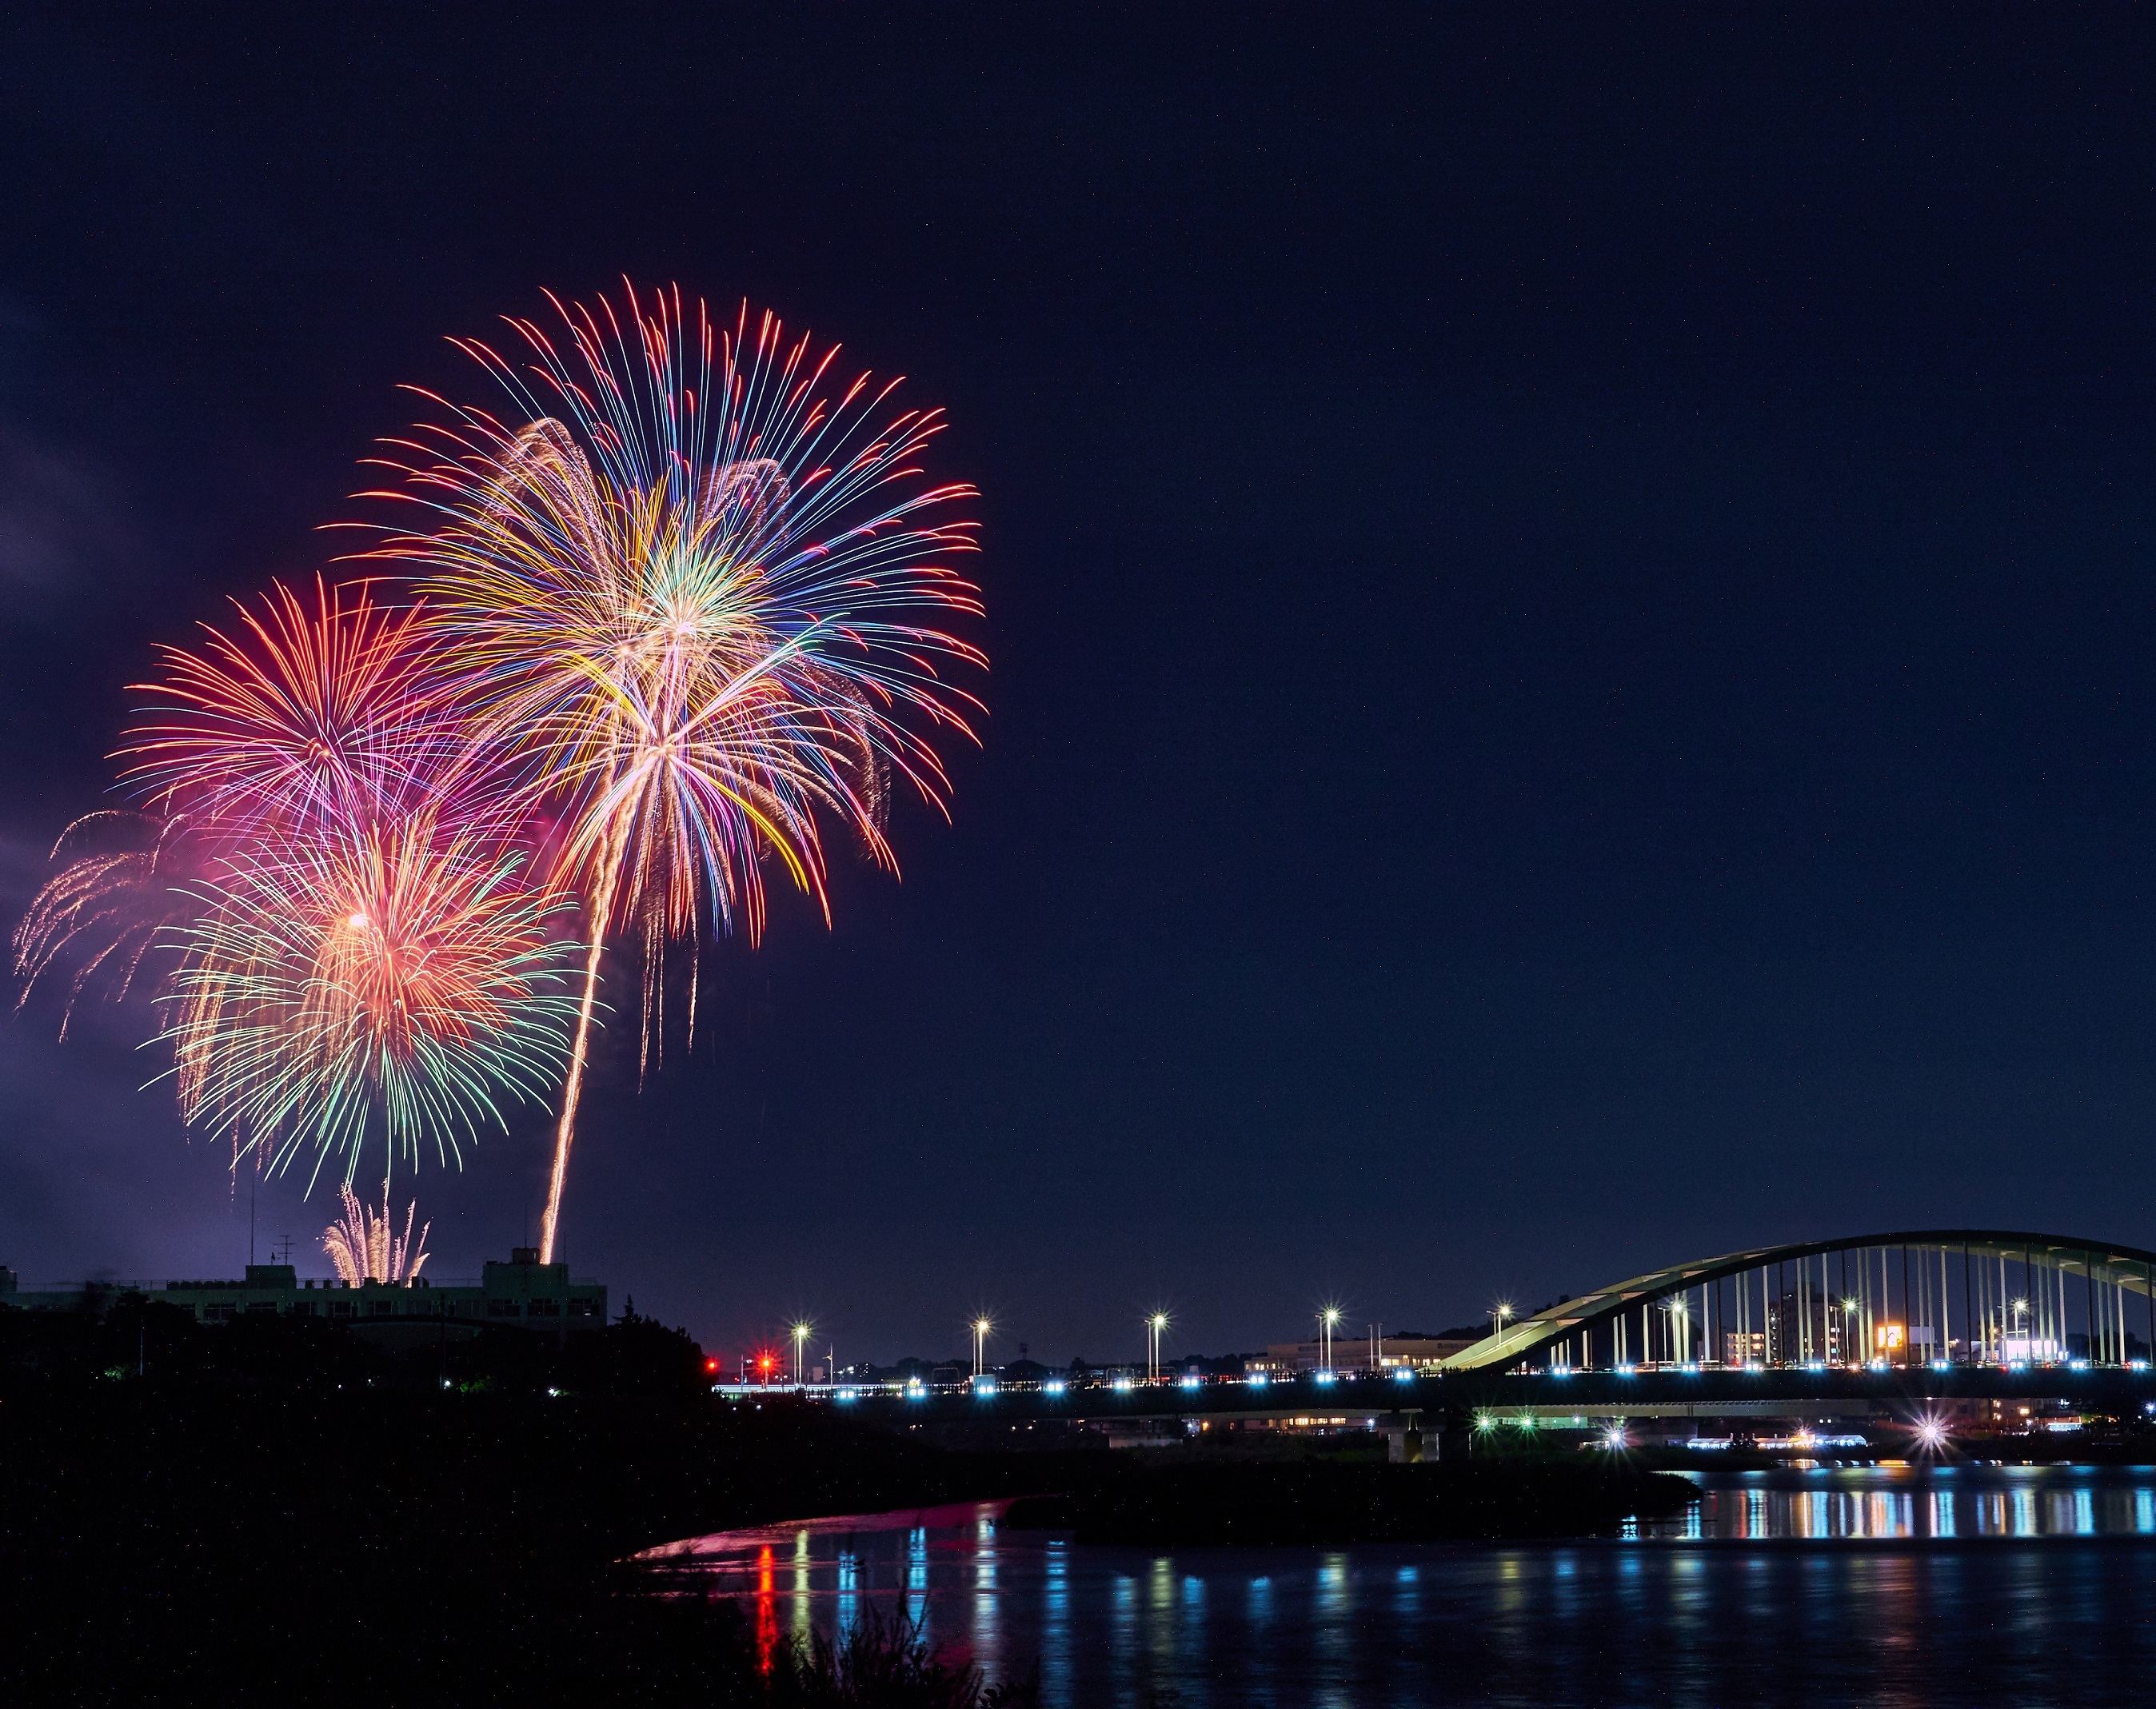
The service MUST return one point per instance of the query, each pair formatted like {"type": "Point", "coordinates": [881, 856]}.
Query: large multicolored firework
{"type": "Point", "coordinates": [688, 603]}
{"type": "Point", "coordinates": [679, 614]}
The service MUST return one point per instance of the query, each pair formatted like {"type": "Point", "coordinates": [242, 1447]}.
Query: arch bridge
{"type": "Point", "coordinates": [1911, 1298]}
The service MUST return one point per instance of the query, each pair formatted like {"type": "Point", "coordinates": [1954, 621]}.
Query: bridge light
{"type": "Point", "coordinates": [1931, 1433]}
{"type": "Point", "coordinates": [1614, 1438]}
{"type": "Point", "coordinates": [1485, 1422]}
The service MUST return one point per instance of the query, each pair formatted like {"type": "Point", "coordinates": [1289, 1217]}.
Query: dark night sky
{"type": "Point", "coordinates": [1568, 595]}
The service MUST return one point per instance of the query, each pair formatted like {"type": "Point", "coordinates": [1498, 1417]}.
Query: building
{"type": "Point", "coordinates": [1417, 1350]}
{"type": "Point", "coordinates": [522, 1294]}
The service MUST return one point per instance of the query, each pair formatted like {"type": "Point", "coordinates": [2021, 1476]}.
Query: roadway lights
{"type": "Point", "coordinates": [800, 1340]}
{"type": "Point", "coordinates": [1404, 1375]}
{"type": "Point", "coordinates": [1613, 1438]}
{"type": "Point", "coordinates": [1321, 1375]}
{"type": "Point", "coordinates": [1190, 1380]}
{"type": "Point", "coordinates": [1485, 1422]}
{"type": "Point", "coordinates": [1258, 1379]}
{"type": "Point", "coordinates": [981, 1328]}
{"type": "Point", "coordinates": [1931, 1433]}
{"type": "Point", "coordinates": [1054, 1385]}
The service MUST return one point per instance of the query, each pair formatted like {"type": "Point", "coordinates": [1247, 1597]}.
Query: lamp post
{"type": "Point", "coordinates": [981, 1328]}
{"type": "Point", "coordinates": [1328, 1320]}
{"type": "Point", "coordinates": [1154, 1324]}
{"type": "Point", "coordinates": [800, 1338]}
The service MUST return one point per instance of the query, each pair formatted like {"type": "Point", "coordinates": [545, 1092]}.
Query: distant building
{"type": "Point", "coordinates": [522, 1294]}
{"type": "Point", "coordinates": [1416, 1350]}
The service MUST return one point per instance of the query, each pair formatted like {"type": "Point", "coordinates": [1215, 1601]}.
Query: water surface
{"type": "Point", "coordinates": [1824, 1586]}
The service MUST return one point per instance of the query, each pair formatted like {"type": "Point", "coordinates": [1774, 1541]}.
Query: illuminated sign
{"type": "Point", "coordinates": [1887, 1338]}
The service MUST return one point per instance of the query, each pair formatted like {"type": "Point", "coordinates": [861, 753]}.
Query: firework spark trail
{"type": "Point", "coordinates": [109, 904]}
{"type": "Point", "coordinates": [688, 606]}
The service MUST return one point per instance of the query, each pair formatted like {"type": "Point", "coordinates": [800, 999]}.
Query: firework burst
{"type": "Point", "coordinates": [357, 956]}
{"type": "Point", "coordinates": [364, 1247]}
{"type": "Point", "coordinates": [390, 983]}
{"type": "Point", "coordinates": [689, 600]}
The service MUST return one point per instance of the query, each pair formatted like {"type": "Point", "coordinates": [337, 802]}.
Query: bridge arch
{"type": "Point", "coordinates": [1994, 1294]}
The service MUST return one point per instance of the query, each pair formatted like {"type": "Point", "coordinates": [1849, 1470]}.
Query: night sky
{"type": "Point", "coordinates": [1569, 599]}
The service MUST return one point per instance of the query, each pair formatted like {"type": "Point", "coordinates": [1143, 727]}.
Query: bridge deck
{"type": "Point", "coordinates": [1599, 1394]}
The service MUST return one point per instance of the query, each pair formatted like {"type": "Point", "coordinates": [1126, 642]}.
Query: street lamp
{"type": "Point", "coordinates": [1154, 1322]}
{"type": "Point", "coordinates": [800, 1337]}
{"type": "Point", "coordinates": [981, 1328]}
{"type": "Point", "coordinates": [1326, 1320]}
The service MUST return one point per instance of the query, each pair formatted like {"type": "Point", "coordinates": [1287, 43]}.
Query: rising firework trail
{"type": "Point", "coordinates": [689, 592]}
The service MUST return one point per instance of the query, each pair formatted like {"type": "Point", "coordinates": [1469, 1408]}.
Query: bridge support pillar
{"type": "Point", "coordinates": [1455, 1437]}
{"type": "Point", "coordinates": [1404, 1447]}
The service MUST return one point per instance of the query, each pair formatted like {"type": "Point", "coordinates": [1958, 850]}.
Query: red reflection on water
{"type": "Point", "coordinates": [767, 1610]}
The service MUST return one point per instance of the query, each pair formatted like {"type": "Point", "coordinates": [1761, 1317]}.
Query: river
{"type": "Point", "coordinates": [1877, 1585]}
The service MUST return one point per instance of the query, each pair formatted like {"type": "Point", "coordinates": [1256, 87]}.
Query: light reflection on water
{"type": "Point", "coordinates": [1898, 1502]}
{"type": "Point", "coordinates": [1824, 1586]}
